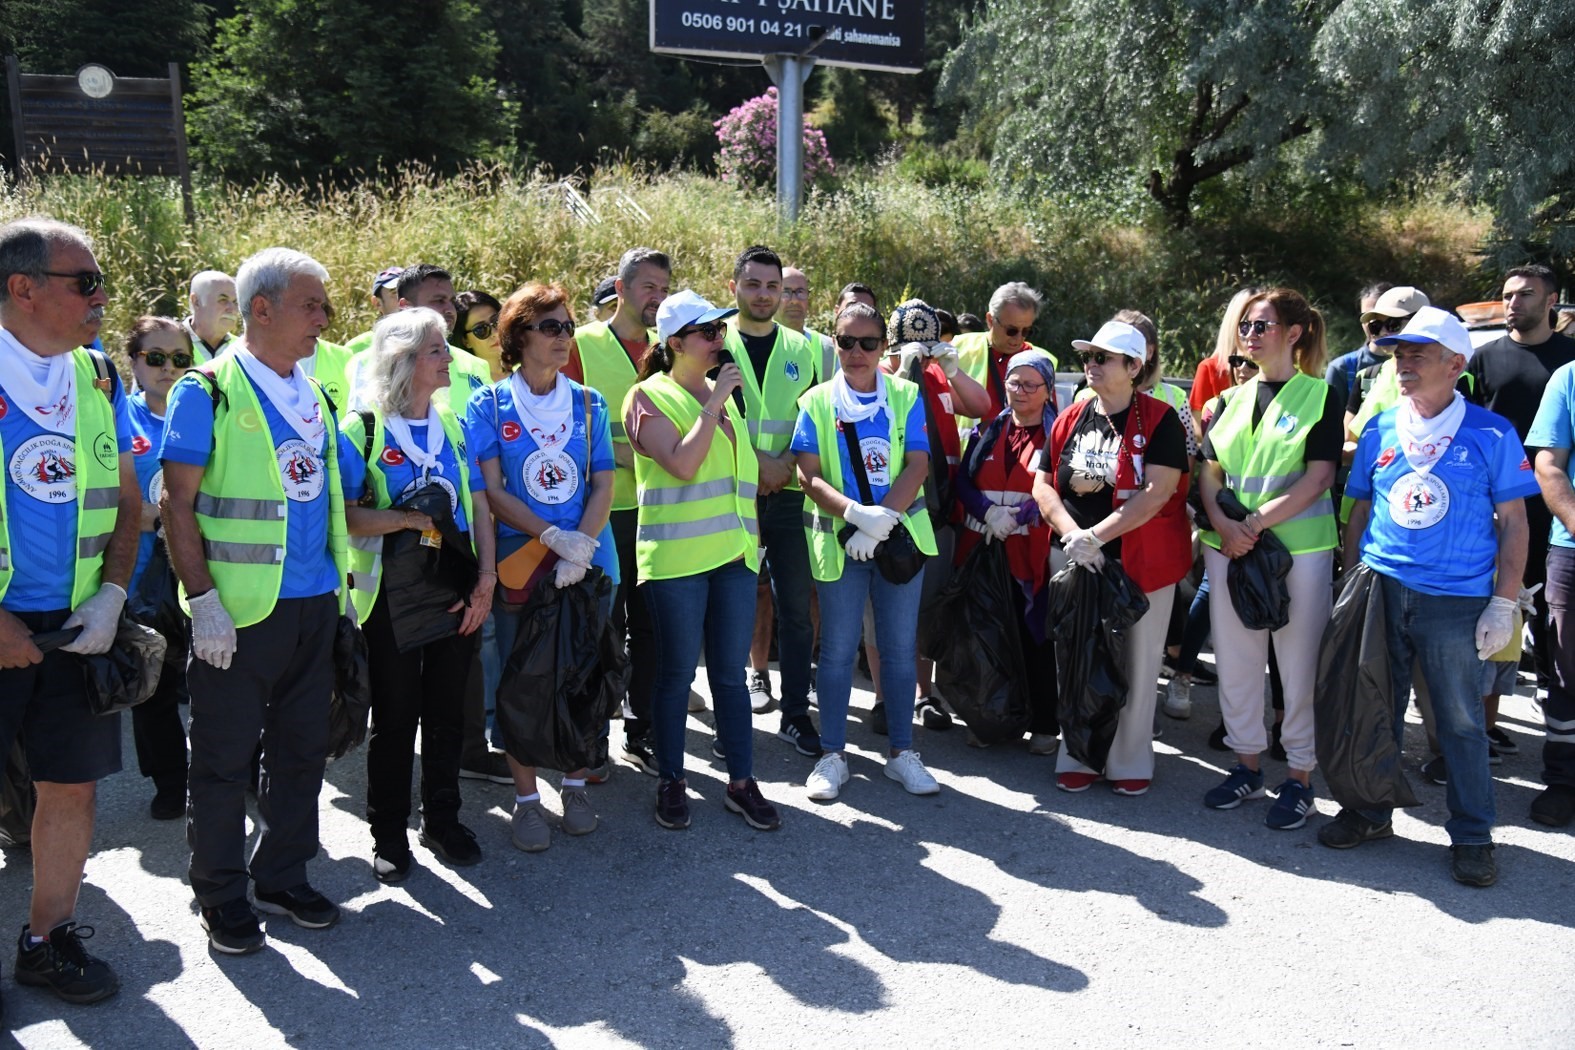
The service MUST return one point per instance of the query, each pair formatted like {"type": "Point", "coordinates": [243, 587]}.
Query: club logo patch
{"type": "Point", "coordinates": [1286, 424]}
{"type": "Point", "coordinates": [877, 460]}
{"type": "Point", "coordinates": [301, 471]}
{"type": "Point", "coordinates": [156, 487]}
{"type": "Point", "coordinates": [1418, 501]}
{"type": "Point", "coordinates": [45, 468]}
{"type": "Point", "coordinates": [792, 370]}
{"type": "Point", "coordinates": [551, 477]}
{"type": "Point", "coordinates": [393, 457]}
{"type": "Point", "coordinates": [511, 431]}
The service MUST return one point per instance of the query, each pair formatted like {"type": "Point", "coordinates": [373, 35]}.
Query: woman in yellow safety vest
{"type": "Point", "coordinates": [1275, 445]}
{"type": "Point", "coordinates": [696, 547]}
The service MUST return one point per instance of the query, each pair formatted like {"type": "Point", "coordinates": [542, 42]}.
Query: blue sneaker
{"type": "Point", "coordinates": [1241, 784]}
{"type": "Point", "coordinates": [1291, 806]}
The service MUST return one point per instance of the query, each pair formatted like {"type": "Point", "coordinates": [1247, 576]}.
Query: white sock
{"type": "Point", "coordinates": [567, 783]}
{"type": "Point", "coordinates": [534, 796]}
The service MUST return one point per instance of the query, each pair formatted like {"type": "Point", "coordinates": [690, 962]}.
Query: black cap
{"type": "Point", "coordinates": [606, 291]}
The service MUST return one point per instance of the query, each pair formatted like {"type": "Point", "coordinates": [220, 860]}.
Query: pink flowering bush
{"type": "Point", "coordinates": [748, 135]}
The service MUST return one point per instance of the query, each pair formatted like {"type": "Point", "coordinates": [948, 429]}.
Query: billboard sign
{"type": "Point", "coordinates": [860, 34]}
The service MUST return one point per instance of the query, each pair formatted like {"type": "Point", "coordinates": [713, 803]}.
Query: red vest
{"type": "Point", "coordinates": [1157, 553]}
{"type": "Point", "coordinates": [1028, 553]}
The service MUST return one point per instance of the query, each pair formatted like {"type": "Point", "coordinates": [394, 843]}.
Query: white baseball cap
{"type": "Point", "coordinates": [682, 309]}
{"type": "Point", "coordinates": [1432, 325]}
{"type": "Point", "coordinates": [1118, 337]}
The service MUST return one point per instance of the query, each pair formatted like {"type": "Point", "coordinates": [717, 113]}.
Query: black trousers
{"type": "Point", "coordinates": [1558, 710]}
{"type": "Point", "coordinates": [276, 689]}
{"type": "Point", "coordinates": [159, 733]}
{"type": "Point", "coordinates": [423, 688]}
{"type": "Point", "coordinates": [631, 619]}
{"type": "Point", "coordinates": [1039, 661]}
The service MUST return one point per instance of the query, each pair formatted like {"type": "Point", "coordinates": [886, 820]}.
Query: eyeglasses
{"type": "Point", "coordinates": [158, 358]}
{"type": "Point", "coordinates": [1386, 325]}
{"type": "Point", "coordinates": [88, 281]}
{"type": "Point", "coordinates": [1017, 386]}
{"type": "Point", "coordinates": [1027, 331]}
{"type": "Point", "coordinates": [1258, 327]}
{"type": "Point", "coordinates": [708, 331]}
{"type": "Point", "coordinates": [795, 293]}
{"type": "Point", "coordinates": [1237, 361]}
{"type": "Point", "coordinates": [1097, 357]}
{"type": "Point", "coordinates": [552, 328]}
{"type": "Point", "coordinates": [868, 343]}
{"type": "Point", "coordinates": [483, 329]}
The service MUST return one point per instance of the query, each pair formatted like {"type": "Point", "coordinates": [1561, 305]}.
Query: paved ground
{"type": "Point", "coordinates": [1001, 913]}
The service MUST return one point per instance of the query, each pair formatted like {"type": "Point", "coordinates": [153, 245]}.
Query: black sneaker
{"type": "Point", "coordinates": [640, 752]}
{"type": "Point", "coordinates": [1433, 771]}
{"type": "Point", "coordinates": [304, 905]}
{"type": "Point", "coordinates": [1217, 739]}
{"type": "Point", "coordinates": [454, 842]}
{"type": "Point", "coordinates": [1503, 741]}
{"type": "Point", "coordinates": [749, 803]}
{"type": "Point", "coordinates": [878, 719]}
{"type": "Point", "coordinates": [1350, 829]}
{"type": "Point", "coordinates": [492, 767]}
{"type": "Point", "coordinates": [672, 804]}
{"type": "Point", "coordinates": [799, 731]}
{"type": "Point", "coordinates": [63, 966]}
{"type": "Point", "coordinates": [932, 715]}
{"type": "Point", "coordinates": [232, 927]}
{"type": "Point", "coordinates": [1555, 807]}
{"type": "Point", "coordinates": [169, 803]}
{"type": "Point", "coordinates": [716, 748]}
{"type": "Point", "coordinates": [1473, 865]}
{"type": "Point", "coordinates": [391, 861]}
{"type": "Point", "coordinates": [1495, 757]}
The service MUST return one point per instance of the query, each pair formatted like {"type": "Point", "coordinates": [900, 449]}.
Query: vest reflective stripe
{"type": "Point", "coordinates": [606, 368]}
{"type": "Point", "coordinates": [771, 411]}
{"type": "Point", "coordinates": [240, 505]}
{"type": "Point", "coordinates": [687, 527]}
{"type": "Point", "coordinates": [98, 486]}
{"type": "Point", "coordinates": [1261, 463]}
{"type": "Point", "coordinates": [820, 528]}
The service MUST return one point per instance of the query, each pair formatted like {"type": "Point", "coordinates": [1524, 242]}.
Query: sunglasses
{"type": "Point", "coordinates": [1027, 331]}
{"type": "Point", "coordinates": [158, 358]}
{"type": "Point", "coordinates": [1237, 361]}
{"type": "Point", "coordinates": [552, 328]}
{"type": "Point", "coordinates": [1019, 387]}
{"type": "Point", "coordinates": [483, 329]}
{"type": "Point", "coordinates": [1247, 328]}
{"type": "Point", "coordinates": [88, 281]}
{"type": "Point", "coordinates": [868, 343]}
{"type": "Point", "coordinates": [708, 331]}
{"type": "Point", "coordinates": [1386, 325]}
{"type": "Point", "coordinates": [1098, 357]}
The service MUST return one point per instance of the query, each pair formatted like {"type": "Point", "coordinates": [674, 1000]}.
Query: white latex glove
{"type": "Point", "coordinates": [945, 355]}
{"type": "Point", "coordinates": [567, 574]}
{"type": "Point", "coordinates": [876, 522]}
{"type": "Point", "coordinates": [569, 545]}
{"type": "Point", "coordinates": [861, 546]}
{"type": "Point", "coordinates": [1001, 521]}
{"type": "Point", "coordinates": [1526, 602]}
{"type": "Point", "coordinates": [907, 353]}
{"type": "Point", "coordinates": [212, 631]}
{"type": "Point", "coordinates": [99, 618]}
{"type": "Point", "coordinates": [1082, 547]}
{"type": "Point", "coordinates": [1494, 626]}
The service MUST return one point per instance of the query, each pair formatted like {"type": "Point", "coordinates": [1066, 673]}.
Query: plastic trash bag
{"type": "Point", "coordinates": [155, 604]}
{"type": "Point", "coordinates": [18, 800]}
{"type": "Point", "coordinates": [1354, 705]}
{"type": "Point", "coordinates": [1090, 612]}
{"type": "Point", "coordinates": [1256, 580]}
{"type": "Point", "coordinates": [423, 582]}
{"type": "Point", "coordinates": [124, 676]}
{"type": "Point", "coordinates": [350, 705]}
{"type": "Point", "coordinates": [970, 631]}
{"type": "Point", "coordinates": [565, 677]}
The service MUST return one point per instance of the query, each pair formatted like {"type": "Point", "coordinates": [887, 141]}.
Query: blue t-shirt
{"type": "Point", "coordinates": [552, 482]}
{"type": "Point", "coordinates": [1554, 427]}
{"type": "Point", "coordinates": [1342, 370]}
{"type": "Point", "coordinates": [188, 438]}
{"type": "Point", "coordinates": [41, 502]}
{"type": "Point", "coordinates": [147, 434]}
{"type": "Point", "coordinates": [1434, 532]}
{"type": "Point", "coordinates": [404, 477]}
{"type": "Point", "coordinates": [874, 441]}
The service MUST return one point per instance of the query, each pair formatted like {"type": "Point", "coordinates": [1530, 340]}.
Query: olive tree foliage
{"type": "Point", "coordinates": [1166, 93]}
{"type": "Point", "coordinates": [1482, 85]}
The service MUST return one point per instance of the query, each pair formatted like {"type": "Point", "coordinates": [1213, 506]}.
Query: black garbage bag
{"type": "Point", "coordinates": [970, 631]}
{"type": "Point", "coordinates": [1354, 706]}
{"type": "Point", "coordinates": [350, 705]}
{"type": "Point", "coordinates": [423, 582]}
{"type": "Point", "coordinates": [124, 676]}
{"type": "Point", "coordinates": [18, 800]}
{"type": "Point", "coordinates": [1256, 580]}
{"type": "Point", "coordinates": [156, 604]}
{"type": "Point", "coordinates": [565, 677]}
{"type": "Point", "coordinates": [1090, 612]}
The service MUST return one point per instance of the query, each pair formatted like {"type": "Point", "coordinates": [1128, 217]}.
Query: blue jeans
{"type": "Point", "coordinates": [841, 628]}
{"type": "Point", "coordinates": [1438, 634]}
{"type": "Point", "coordinates": [714, 609]}
{"type": "Point", "coordinates": [781, 516]}
{"type": "Point", "coordinates": [1197, 630]}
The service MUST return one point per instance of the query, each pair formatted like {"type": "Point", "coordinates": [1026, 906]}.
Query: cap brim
{"type": "Point", "coordinates": [717, 314]}
{"type": "Point", "coordinates": [1373, 315]}
{"type": "Point", "coordinates": [1082, 345]}
{"type": "Point", "coordinates": [1415, 338]}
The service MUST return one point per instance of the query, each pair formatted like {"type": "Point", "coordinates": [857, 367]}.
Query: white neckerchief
{"type": "Point", "coordinates": [425, 459]}
{"type": "Point", "coordinates": [292, 396]}
{"type": "Point", "coordinates": [45, 388]}
{"type": "Point", "coordinates": [1424, 441]}
{"type": "Point", "coordinates": [548, 417]}
{"type": "Point", "coordinates": [849, 408]}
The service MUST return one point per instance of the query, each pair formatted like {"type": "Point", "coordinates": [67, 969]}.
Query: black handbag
{"type": "Point", "coordinates": [898, 557]}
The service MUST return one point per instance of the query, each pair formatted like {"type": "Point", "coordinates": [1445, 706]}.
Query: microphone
{"type": "Point", "coordinates": [725, 357]}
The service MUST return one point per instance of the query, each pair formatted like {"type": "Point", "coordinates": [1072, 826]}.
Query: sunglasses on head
{"type": "Point", "coordinates": [1098, 357]}
{"type": "Point", "coordinates": [552, 328]}
{"type": "Point", "coordinates": [1237, 361]}
{"type": "Point", "coordinates": [708, 331]}
{"type": "Point", "coordinates": [483, 329]}
{"type": "Point", "coordinates": [88, 281]}
{"type": "Point", "coordinates": [1247, 328]}
{"type": "Point", "coordinates": [1387, 325]}
{"type": "Point", "coordinates": [868, 343]}
{"type": "Point", "coordinates": [1011, 332]}
{"type": "Point", "coordinates": [158, 358]}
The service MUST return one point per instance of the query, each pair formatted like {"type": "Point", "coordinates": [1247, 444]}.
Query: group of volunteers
{"type": "Point", "coordinates": [734, 482]}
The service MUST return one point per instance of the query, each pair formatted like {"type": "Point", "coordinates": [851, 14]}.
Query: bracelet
{"type": "Point", "coordinates": [488, 572]}
{"type": "Point", "coordinates": [717, 416]}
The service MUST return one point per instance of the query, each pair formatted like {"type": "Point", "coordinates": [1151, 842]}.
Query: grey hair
{"type": "Point", "coordinates": [26, 245]}
{"type": "Point", "coordinates": [268, 273]}
{"type": "Point", "coordinates": [635, 257]}
{"type": "Point", "coordinates": [1016, 293]}
{"type": "Point", "coordinates": [204, 281]}
{"type": "Point", "coordinates": [391, 365]}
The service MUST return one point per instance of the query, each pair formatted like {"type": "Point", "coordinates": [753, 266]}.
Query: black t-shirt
{"type": "Point", "coordinates": [1510, 377]}
{"type": "Point", "coordinates": [760, 347]}
{"type": "Point", "coordinates": [1325, 441]}
{"type": "Point", "coordinates": [1086, 473]}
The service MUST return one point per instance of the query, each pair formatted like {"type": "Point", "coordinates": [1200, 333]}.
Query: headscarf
{"type": "Point", "coordinates": [1040, 361]}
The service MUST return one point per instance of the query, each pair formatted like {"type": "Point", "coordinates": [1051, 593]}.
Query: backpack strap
{"type": "Point", "coordinates": [101, 369]}
{"type": "Point", "coordinates": [369, 425]}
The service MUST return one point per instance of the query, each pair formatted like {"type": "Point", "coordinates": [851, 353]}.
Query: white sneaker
{"type": "Point", "coordinates": [760, 698]}
{"type": "Point", "coordinates": [1043, 743]}
{"type": "Point", "coordinates": [828, 776]}
{"type": "Point", "coordinates": [1178, 698]}
{"type": "Point", "coordinates": [908, 771]}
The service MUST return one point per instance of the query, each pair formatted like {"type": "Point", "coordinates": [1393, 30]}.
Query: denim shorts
{"type": "Point", "coordinates": [1498, 677]}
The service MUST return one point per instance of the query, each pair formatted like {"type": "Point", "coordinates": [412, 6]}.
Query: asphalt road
{"type": "Point", "coordinates": [1001, 912]}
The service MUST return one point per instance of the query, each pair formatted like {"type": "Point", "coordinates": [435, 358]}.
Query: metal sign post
{"type": "Point", "coordinates": [790, 73]}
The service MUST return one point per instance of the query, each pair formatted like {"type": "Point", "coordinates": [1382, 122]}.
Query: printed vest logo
{"type": "Point", "coordinates": [510, 431]}
{"type": "Point", "coordinates": [155, 488]}
{"type": "Point", "coordinates": [1138, 440]}
{"type": "Point", "coordinates": [416, 485]}
{"type": "Point", "coordinates": [877, 460]}
{"type": "Point", "coordinates": [792, 370]}
{"type": "Point", "coordinates": [1418, 501]}
{"type": "Point", "coordinates": [392, 457]}
{"type": "Point", "coordinates": [1286, 424]}
{"type": "Point", "coordinates": [106, 451]}
{"type": "Point", "coordinates": [551, 477]}
{"type": "Point", "coordinates": [45, 468]}
{"type": "Point", "coordinates": [301, 470]}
